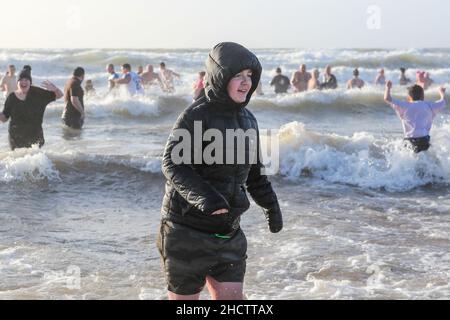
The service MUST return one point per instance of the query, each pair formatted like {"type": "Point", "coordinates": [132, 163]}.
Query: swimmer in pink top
{"type": "Point", "coordinates": [199, 85]}
{"type": "Point", "coordinates": [416, 115]}
{"type": "Point", "coordinates": [421, 79]}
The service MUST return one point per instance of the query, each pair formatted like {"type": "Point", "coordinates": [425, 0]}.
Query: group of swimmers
{"type": "Point", "coordinates": [423, 79]}
{"type": "Point", "coordinates": [302, 80]}
{"type": "Point", "coordinates": [135, 83]}
{"type": "Point", "coordinates": [416, 114]}
{"type": "Point", "coordinates": [25, 106]}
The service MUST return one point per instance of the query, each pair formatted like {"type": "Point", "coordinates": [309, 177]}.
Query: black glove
{"type": "Point", "coordinates": [275, 219]}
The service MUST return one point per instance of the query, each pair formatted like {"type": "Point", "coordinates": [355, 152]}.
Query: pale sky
{"type": "Point", "coordinates": [203, 23]}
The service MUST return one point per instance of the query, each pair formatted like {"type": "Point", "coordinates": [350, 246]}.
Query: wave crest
{"type": "Point", "coordinates": [362, 160]}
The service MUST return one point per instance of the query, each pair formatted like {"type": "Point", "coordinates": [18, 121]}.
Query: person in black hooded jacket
{"type": "Point", "coordinates": [200, 240]}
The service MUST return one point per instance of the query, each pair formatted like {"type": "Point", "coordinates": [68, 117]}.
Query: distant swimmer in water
{"type": "Point", "coordinates": [404, 81]}
{"type": "Point", "coordinates": [89, 88]}
{"type": "Point", "coordinates": [314, 82]}
{"type": "Point", "coordinates": [329, 79]}
{"type": "Point", "coordinates": [356, 82]}
{"type": "Point", "coordinates": [25, 108]}
{"type": "Point", "coordinates": [416, 115]}
{"type": "Point", "coordinates": [27, 68]}
{"type": "Point", "coordinates": [149, 77]}
{"type": "Point", "coordinates": [300, 79]}
{"type": "Point", "coordinates": [73, 115]}
{"type": "Point", "coordinates": [380, 80]}
{"type": "Point", "coordinates": [280, 82]}
{"type": "Point", "coordinates": [112, 76]}
{"type": "Point", "coordinates": [130, 80]}
{"type": "Point", "coordinates": [423, 79]}
{"type": "Point", "coordinates": [199, 85]}
{"type": "Point", "coordinates": [167, 76]}
{"type": "Point", "coordinates": [140, 70]}
{"type": "Point", "coordinates": [420, 79]}
{"type": "Point", "coordinates": [8, 84]}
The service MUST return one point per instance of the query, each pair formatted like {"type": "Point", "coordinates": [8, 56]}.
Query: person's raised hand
{"type": "Point", "coordinates": [48, 85]}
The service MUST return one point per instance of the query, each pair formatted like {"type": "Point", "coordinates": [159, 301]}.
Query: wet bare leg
{"type": "Point", "coordinates": [225, 290]}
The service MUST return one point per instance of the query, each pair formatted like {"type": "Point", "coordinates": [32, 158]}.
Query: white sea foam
{"type": "Point", "coordinates": [27, 165]}
{"type": "Point", "coordinates": [363, 160]}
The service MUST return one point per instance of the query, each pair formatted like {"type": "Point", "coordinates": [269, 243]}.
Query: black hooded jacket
{"type": "Point", "coordinates": [194, 191]}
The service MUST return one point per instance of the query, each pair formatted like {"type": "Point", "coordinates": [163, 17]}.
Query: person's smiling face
{"type": "Point", "coordinates": [24, 85]}
{"type": "Point", "coordinates": [240, 85]}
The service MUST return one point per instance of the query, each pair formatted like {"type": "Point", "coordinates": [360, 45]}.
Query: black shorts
{"type": "Point", "coordinates": [16, 142]}
{"type": "Point", "coordinates": [189, 256]}
{"type": "Point", "coordinates": [418, 144]}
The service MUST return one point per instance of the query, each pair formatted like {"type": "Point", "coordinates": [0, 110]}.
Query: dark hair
{"type": "Point", "coordinates": [202, 73]}
{"type": "Point", "coordinates": [403, 70]}
{"type": "Point", "coordinates": [78, 72]}
{"type": "Point", "coordinates": [278, 70]}
{"type": "Point", "coordinates": [27, 67]}
{"type": "Point", "coordinates": [162, 64]}
{"type": "Point", "coordinates": [356, 72]}
{"type": "Point", "coordinates": [11, 66]}
{"type": "Point", "coordinates": [416, 92]}
{"type": "Point", "coordinates": [25, 74]}
{"type": "Point", "coordinates": [127, 66]}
